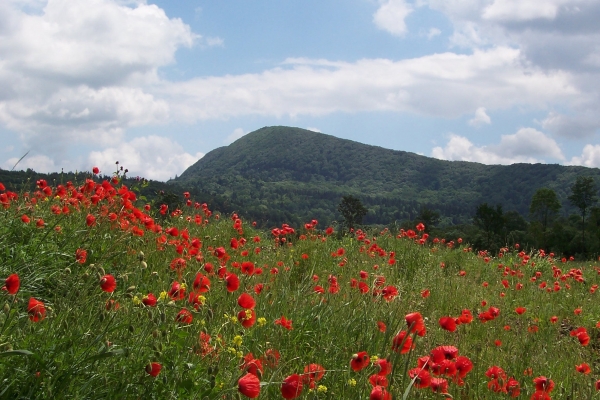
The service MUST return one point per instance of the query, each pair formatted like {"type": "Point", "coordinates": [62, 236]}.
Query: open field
{"type": "Point", "coordinates": [106, 296]}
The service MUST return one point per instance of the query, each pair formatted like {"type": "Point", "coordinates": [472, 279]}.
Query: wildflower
{"type": "Point", "coordinates": [543, 384]}
{"type": "Point", "coordinates": [381, 326]}
{"type": "Point", "coordinates": [261, 321]}
{"type": "Point", "coordinates": [201, 283]}
{"type": "Point", "coordinates": [149, 300]}
{"type": "Point", "coordinates": [284, 322]}
{"type": "Point", "coordinates": [237, 340]}
{"type": "Point", "coordinates": [108, 283]}
{"type": "Point", "coordinates": [36, 310]}
{"type": "Point", "coordinates": [352, 382]}
{"type": "Point", "coordinates": [90, 220]}
{"type": "Point", "coordinates": [177, 291]}
{"type": "Point", "coordinates": [25, 219]}
{"type": "Point", "coordinates": [80, 256]}
{"type": "Point", "coordinates": [582, 335]}
{"type": "Point", "coordinates": [439, 385]}
{"type": "Point", "coordinates": [153, 369]}
{"type": "Point", "coordinates": [232, 282]}
{"type": "Point", "coordinates": [12, 284]}
{"type": "Point", "coordinates": [312, 373]}
{"type": "Point", "coordinates": [252, 365]}
{"type": "Point", "coordinates": [249, 385]}
{"type": "Point", "coordinates": [520, 310]}
{"type": "Point", "coordinates": [380, 393]}
{"type": "Point", "coordinates": [448, 323]}
{"type": "Point", "coordinates": [291, 387]}
{"type": "Point", "coordinates": [184, 316]}
{"type": "Point", "coordinates": [416, 323]}
{"type": "Point", "coordinates": [246, 301]}
{"type": "Point", "coordinates": [389, 293]}
{"type": "Point", "coordinates": [95, 170]}
{"type": "Point", "coordinates": [425, 293]}
{"type": "Point", "coordinates": [402, 343]}
{"type": "Point", "coordinates": [359, 361]}
{"type": "Point", "coordinates": [178, 264]}
{"type": "Point", "coordinates": [247, 318]}
{"type": "Point", "coordinates": [321, 389]}
{"type": "Point", "coordinates": [583, 368]}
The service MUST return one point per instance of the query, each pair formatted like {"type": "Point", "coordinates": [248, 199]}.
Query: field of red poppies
{"type": "Point", "coordinates": [107, 296]}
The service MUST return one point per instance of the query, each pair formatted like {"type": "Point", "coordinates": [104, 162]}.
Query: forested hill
{"type": "Point", "coordinates": [283, 174]}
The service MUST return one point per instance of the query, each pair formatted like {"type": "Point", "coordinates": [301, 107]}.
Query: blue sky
{"type": "Point", "coordinates": [156, 85]}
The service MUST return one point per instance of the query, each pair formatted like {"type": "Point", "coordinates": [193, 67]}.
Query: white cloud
{"type": "Point", "coordinates": [520, 10]}
{"type": "Point", "coordinates": [38, 163]}
{"type": "Point", "coordinates": [390, 16]}
{"type": "Point", "coordinates": [151, 157]}
{"type": "Point", "coordinates": [314, 129]}
{"type": "Point", "coordinates": [522, 147]}
{"type": "Point", "coordinates": [585, 124]}
{"type": "Point", "coordinates": [433, 32]}
{"type": "Point", "coordinates": [215, 41]}
{"type": "Point", "coordinates": [445, 84]}
{"type": "Point", "coordinates": [77, 72]}
{"type": "Point", "coordinates": [235, 135]}
{"type": "Point", "coordinates": [590, 157]}
{"type": "Point", "coordinates": [480, 118]}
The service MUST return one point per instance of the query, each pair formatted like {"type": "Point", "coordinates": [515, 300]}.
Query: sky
{"type": "Point", "coordinates": [157, 84]}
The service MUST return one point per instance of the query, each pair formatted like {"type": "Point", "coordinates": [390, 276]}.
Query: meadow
{"type": "Point", "coordinates": [106, 296]}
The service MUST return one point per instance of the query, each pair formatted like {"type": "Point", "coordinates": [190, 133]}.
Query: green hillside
{"type": "Point", "coordinates": [283, 174]}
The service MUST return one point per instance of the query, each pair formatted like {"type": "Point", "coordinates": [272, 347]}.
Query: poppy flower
{"type": "Point", "coordinates": [439, 385]}
{"type": "Point", "coordinates": [380, 393]}
{"type": "Point", "coordinates": [463, 366]}
{"type": "Point", "coordinates": [312, 374]}
{"type": "Point", "coordinates": [176, 292]}
{"type": "Point", "coordinates": [249, 385]}
{"type": "Point", "coordinates": [421, 377]}
{"type": "Point", "coordinates": [416, 323]}
{"type": "Point", "coordinates": [381, 326]}
{"type": "Point", "coordinates": [443, 352]}
{"type": "Point", "coordinates": [12, 284]}
{"type": "Point", "coordinates": [108, 283]}
{"type": "Point", "coordinates": [149, 300]}
{"type": "Point", "coordinates": [402, 343]}
{"type": "Point", "coordinates": [246, 301]}
{"type": "Point", "coordinates": [80, 256]}
{"type": "Point", "coordinates": [247, 318]}
{"type": "Point", "coordinates": [583, 368]}
{"type": "Point", "coordinates": [389, 293]}
{"type": "Point", "coordinates": [90, 220]}
{"type": "Point", "coordinates": [184, 316]}
{"type": "Point", "coordinates": [232, 282]}
{"type": "Point", "coordinates": [543, 384]}
{"type": "Point", "coordinates": [252, 365]}
{"type": "Point", "coordinates": [153, 369]}
{"type": "Point", "coordinates": [359, 361]}
{"type": "Point", "coordinates": [201, 283]}
{"type": "Point", "coordinates": [581, 335]}
{"type": "Point", "coordinates": [291, 387]}
{"type": "Point", "coordinates": [448, 323]}
{"type": "Point", "coordinates": [520, 310]}
{"type": "Point", "coordinates": [283, 321]}
{"type": "Point", "coordinates": [36, 310]}
{"type": "Point", "coordinates": [425, 293]}
{"type": "Point", "coordinates": [25, 219]}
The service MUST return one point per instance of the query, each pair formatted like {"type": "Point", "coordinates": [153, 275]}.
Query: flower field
{"type": "Point", "coordinates": [107, 296]}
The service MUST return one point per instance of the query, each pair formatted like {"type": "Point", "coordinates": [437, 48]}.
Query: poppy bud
{"type": "Point", "coordinates": [130, 289]}
{"type": "Point", "coordinates": [67, 270]}
{"type": "Point", "coordinates": [163, 317]}
{"type": "Point", "coordinates": [6, 308]}
{"type": "Point", "coordinates": [141, 256]}
{"type": "Point", "coordinates": [143, 264]}
{"type": "Point", "coordinates": [155, 333]}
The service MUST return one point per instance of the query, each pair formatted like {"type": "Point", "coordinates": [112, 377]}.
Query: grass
{"type": "Point", "coordinates": [92, 343]}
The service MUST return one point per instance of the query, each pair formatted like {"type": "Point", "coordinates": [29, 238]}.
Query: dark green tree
{"type": "Point", "coordinates": [584, 195]}
{"type": "Point", "coordinates": [352, 211]}
{"type": "Point", "coordinates": [489, 220]}
{"type": "Point", "coordinates": [428, 217]}
{"type": "Point", "coordinates": [544, 208]}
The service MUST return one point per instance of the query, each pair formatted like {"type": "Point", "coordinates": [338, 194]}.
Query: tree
{"type": "Point", "coordinates": [352, 211]}
{"type": "Point", "coordinates": [428, 217]}
{"type": "Point", "coordinates": [583, 196]}
{"type": "Point", "coordinates": [490, 220]}
{"type": "Point", "coordinates": [544, 208]}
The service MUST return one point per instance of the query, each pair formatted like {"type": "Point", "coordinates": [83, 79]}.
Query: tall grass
{"type": "Point", "coordinates": [97, 344]}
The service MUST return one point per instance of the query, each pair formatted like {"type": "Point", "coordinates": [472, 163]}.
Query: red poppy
{"type": "Point", "coordinates": [380, 393]}
{"type": "Point", "coordinates": [247, 318]}
{"type": "Point", "coordinates": [176, 292]}
{"type": "Point", "coordinates": [543, 384]}
{"type": "Point", "coordinates": [232, 282]}
{"type": "Point", "coordinates": [283, 321]}
{"type": "Point", "coordinates": [90, 220]}
{"type": "Point", "coordinates": [80, 256]}
{"type": "Point", "coordinates": [425, 293]}
{"type": "Point", "coordinates": [184, 316]}
{"type": "Point", "coordinates": [247, 268]}
{"type": "Point", "coordinates": [12, 284]}
{"type": "Point", "coordinates": [381, 326]}
{"type": "Point", "coordinates": [291, 387]}
{"type": "Point", "coordinates": [312, 373]}
{"type": "Point", "coordinates": [108, 283]}
{"type": "Point", "coordinates": [359, 361]}
{"type": "Point", "coordinates": [153, 369]}
{"type": "Point", "coordinates": [520, 310]}
{"type": "Point", "coordinates": [439, 385]}
{"type": "Point", "coordinates": [252, 365]}
{"type": "Point", "coordinates": [421, 377]}
{"type": "Point", "coordinates": [402, 343]}
{"type": "Point", "coordinates": [581, 335]}
{"type": "Point", "coordinates": [416, 324]}
{"type": "Point", "coordinates": [25, 219]}
{"type": "Point", "coordinates": [149, 300]}
{"type": "Point", "coordinates": [583, 368]}
{"type": "Point", "coordinates": [249, 385]}
{"type": "Point", "coordinates": [246, 301]}
{"type": "Point", "coordinates": [201, 283]}
{"type": "Point", "coordinates": [178, 264]}
{"type": "Point", "coordinates": [463, 366]}
{"type": "Point", "coordinates": [389, 293]}
{"type": "Point", "coordinates": [448, 323]}
{"type": "Point", "coordinates": [36, 310]}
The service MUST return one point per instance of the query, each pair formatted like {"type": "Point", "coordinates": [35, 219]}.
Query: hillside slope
{"type": "Point", "coordinates": [283, 174]}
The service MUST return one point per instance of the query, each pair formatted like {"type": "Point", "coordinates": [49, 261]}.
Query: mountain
{"type": "Point", "coordinates": [283, 174]}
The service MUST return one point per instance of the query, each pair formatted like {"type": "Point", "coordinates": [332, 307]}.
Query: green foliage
{"type": "Point", "coordinates": [584, 194]}
{"type": "Point", "coordinates": [352, 211]}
